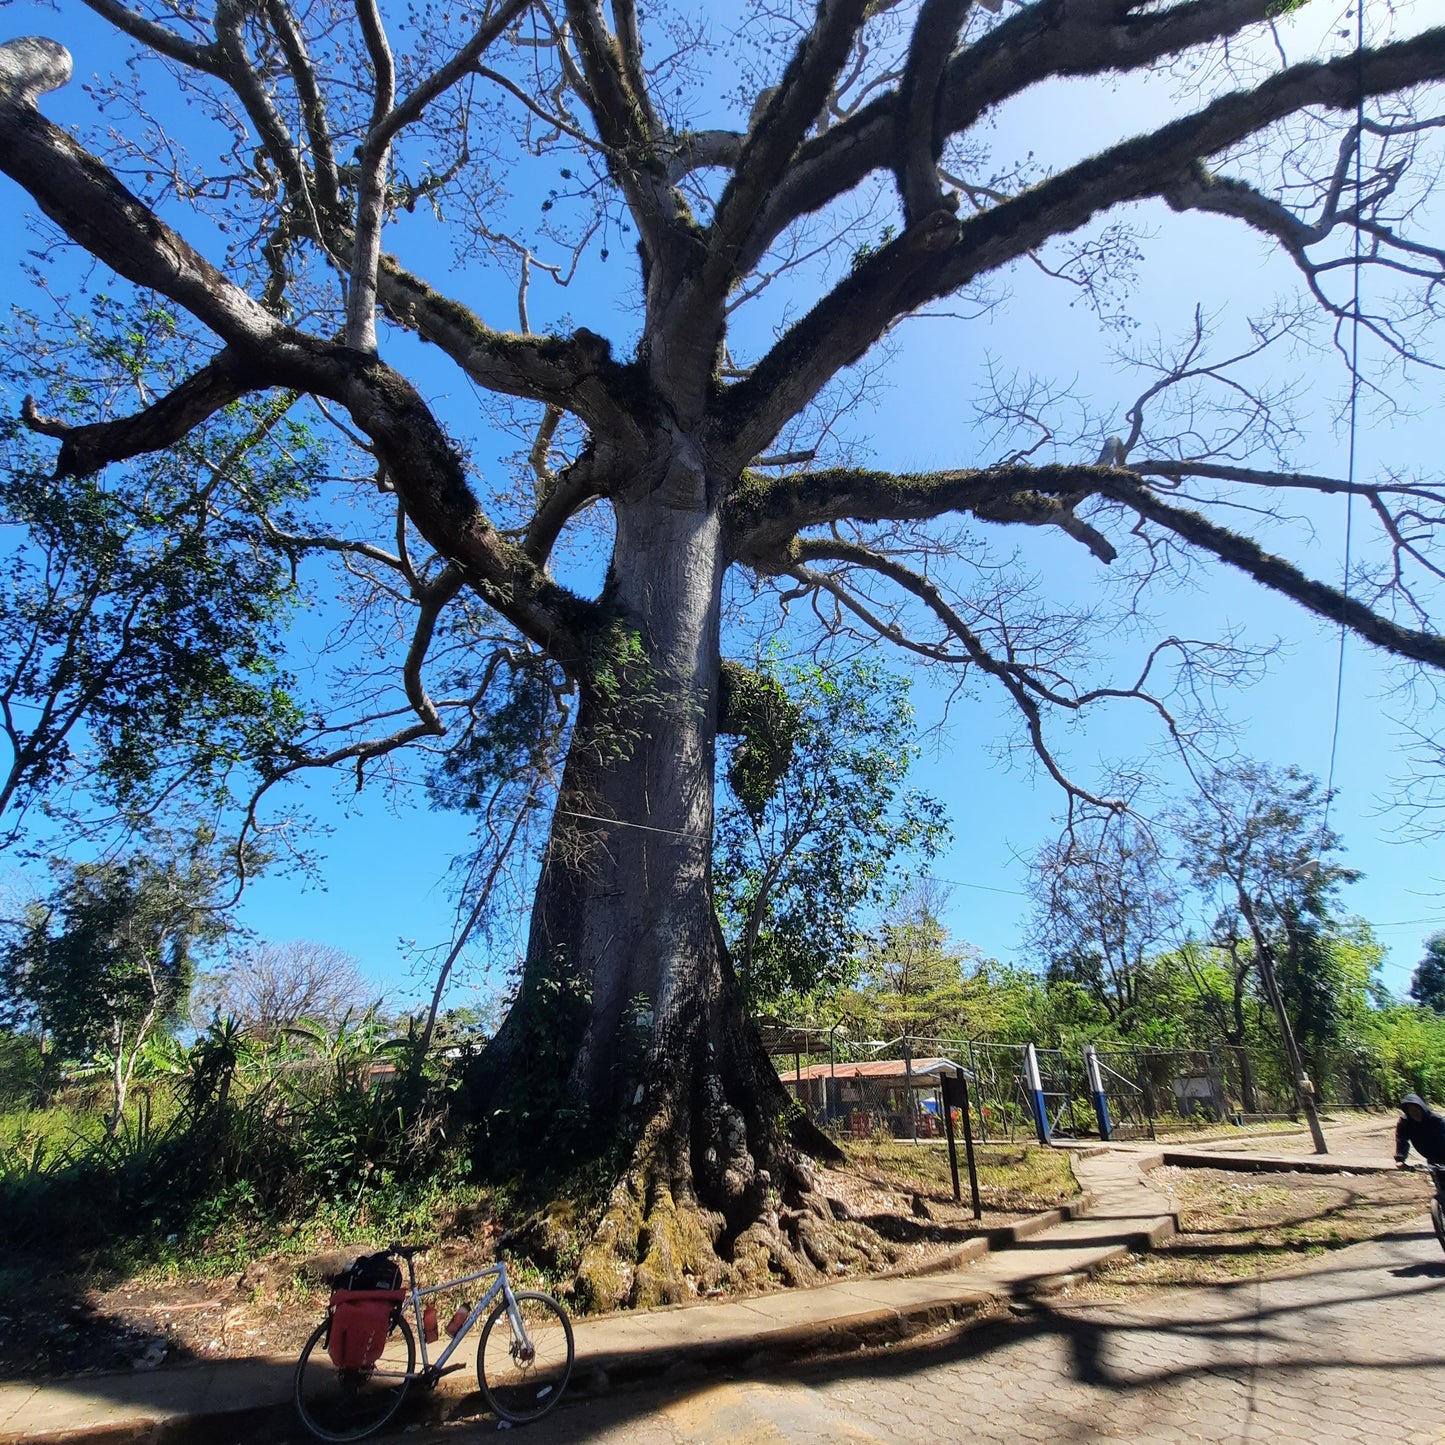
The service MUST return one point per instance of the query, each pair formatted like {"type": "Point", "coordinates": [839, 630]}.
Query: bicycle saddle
{"type": "Point", "coordinates": [405, 1251]}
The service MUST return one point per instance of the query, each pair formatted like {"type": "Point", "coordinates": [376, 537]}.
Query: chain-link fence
{"type": "Point", "coordinates": [893, 1087]}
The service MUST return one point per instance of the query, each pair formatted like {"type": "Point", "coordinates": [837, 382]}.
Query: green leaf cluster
{"type": "Point", "coordinates": [817, 822]}
{"type": "Point", "coordinates": [142, 609]}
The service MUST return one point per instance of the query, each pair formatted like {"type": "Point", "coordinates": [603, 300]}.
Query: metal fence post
{"type": "Point", "coordinates": [1033, 1082]}
{"type": "Point", "coordinates": [1096, 1089]}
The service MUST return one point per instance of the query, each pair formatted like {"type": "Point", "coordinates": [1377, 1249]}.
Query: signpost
{"type": "Point", "coordinates": [955, 1094]}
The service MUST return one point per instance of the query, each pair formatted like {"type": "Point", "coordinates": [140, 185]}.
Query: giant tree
{"type": "Point", "coordinates": [842, 152]}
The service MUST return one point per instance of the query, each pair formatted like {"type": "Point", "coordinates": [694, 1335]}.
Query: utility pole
{"type": "Point", "coordinates": [1304, 1090]}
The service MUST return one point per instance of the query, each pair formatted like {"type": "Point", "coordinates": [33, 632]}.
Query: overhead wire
{"type": "Point", "coordinates": [1354, 408]}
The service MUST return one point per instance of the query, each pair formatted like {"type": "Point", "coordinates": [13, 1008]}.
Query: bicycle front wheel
{"type": "Point", "coordinates": [524, 1377]}
{"type": "Point", "coordinates": [347, 1404]}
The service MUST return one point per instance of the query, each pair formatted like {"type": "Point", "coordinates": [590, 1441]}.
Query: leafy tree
{"type": "Point", "coordinates": [1258, 842]}
{"type": "Point", "coordinates": [143, 607]}
{"type": "Point", "coordinates": [107, 960]}
{"type": "Point", "coordinates": [1104, 905]}
{"type": "Point", "coordinates": [845, 179]}
{"type": "Point", "coordinates": [1428, 984]}
{"type": "Point", "coordinates": [799, 857]}
{"type": "Point", "coordinates": [911, 973]}
{"type": "Point", "coordinates": [269, 986]}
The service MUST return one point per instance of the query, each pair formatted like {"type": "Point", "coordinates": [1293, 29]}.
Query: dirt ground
{"type": "Point", "coordinates": [1235, 1225]}
{"type": "Point", "coordinates": [52, 1324]}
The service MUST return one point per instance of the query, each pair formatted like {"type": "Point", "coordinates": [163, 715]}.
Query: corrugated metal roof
{"type": "Point", "coordinates": [887, 1069]}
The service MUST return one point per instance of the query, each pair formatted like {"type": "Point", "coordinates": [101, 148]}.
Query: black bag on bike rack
{"type": "Point", "coordinates": [370, 1271]}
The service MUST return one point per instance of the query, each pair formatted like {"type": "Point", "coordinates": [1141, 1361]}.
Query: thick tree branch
{"type": "Point", "coordinates": [577, 485]}
{"type": "Point", "coordinates": [926, 263]}
{"type": "Point", "coordinates": [576, 373]}
{"type": "Point", "coordinates": [697, 150]}
{"type": "Point", "coordinates": [433, 599]}
{"type": "Point", "coordinates": [160, 39]}
{"type": "Point", "coordinates": [85, 449]}
{"type": "Point", "coordinates": [920, 135]}
{"type": "Point", "coordinates": [374, 165]}
{"type": "Point", "coordinates": [631, 132]}
{"type": "Point", "coordinates": [81, 196]}
{"type": "Point", "coordinates": [765, 514]}
{"type": "Point", "coordinates": [1052, 38]}
{"type": "Point", "coordinates": [693, 314]}
{"type": "Point", "coordinates": [313, 107]}
{"type": "Point", "coordinates": [1282, 576]}
{"type": "Point", "coordinates": [774, 135]}
{"type": "Point", "coordinates": [235, 68]}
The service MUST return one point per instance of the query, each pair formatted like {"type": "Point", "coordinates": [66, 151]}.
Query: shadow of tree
{"type": "Point", "coordinates": [1257, 1332]}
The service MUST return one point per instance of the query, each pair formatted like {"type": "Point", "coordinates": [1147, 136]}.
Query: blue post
{"type": "Point", "coordinates": [1096, 1088]}
{"type": "Point", "coordinates": [1033, 1082]}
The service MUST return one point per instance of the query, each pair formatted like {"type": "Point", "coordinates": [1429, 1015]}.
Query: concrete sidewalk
{"type": "Point", "coordinates": [248, 1400]}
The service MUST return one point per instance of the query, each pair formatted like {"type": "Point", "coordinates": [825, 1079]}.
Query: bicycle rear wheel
{"type": "Point", "coordinates": [523, 1378]}
{"type": "Point", "coordinates": [1437, 1218]}
{"type": "Point", "coordinates": [347, 1404]}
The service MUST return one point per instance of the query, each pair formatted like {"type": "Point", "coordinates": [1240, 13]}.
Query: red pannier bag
{"type": "Point", "coordinates": [361, 1319]}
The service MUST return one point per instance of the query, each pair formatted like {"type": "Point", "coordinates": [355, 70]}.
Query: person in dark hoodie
{"type": "Point", "coordinates": [1421, 1126]}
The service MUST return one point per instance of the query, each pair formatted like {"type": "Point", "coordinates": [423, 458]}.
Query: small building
{"type": "Point", "coordinates": [874, 1095]}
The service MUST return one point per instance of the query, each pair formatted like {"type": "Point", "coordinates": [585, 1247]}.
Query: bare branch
{"type": "Point", "coordinates": [447, 75]}
{"type": "Point", "coordinates": [1009, 675]}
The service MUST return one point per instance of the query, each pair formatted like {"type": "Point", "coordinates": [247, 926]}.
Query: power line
{"type": "Point", "coordinates": [979, 887]}
{"type": "Point", "coordinates": [1354, 403]}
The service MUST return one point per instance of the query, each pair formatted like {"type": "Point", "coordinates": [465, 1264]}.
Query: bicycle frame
{"type": "Point", "coordinates": [500, 1287]}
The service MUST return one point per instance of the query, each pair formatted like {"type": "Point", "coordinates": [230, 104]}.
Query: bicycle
{"type": "Point", "coordinates": [1437, 1204]}
{"type": "Point", "coordinates": [522, 1369]}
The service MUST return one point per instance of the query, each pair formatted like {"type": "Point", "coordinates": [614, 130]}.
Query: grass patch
{"type": "Point", "coordinates": [1015, 1178]}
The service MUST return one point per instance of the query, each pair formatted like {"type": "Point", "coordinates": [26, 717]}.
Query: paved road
{"type": "Point", "coordinates": [1350, 1350]}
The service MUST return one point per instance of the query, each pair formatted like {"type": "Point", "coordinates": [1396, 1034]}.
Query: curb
{"type": "Point", "coordinates": [1000, 1237]}
{"type": "Point", "coordinates": [273, 1423]}
{"type": "Point", "coordinates": [1265, 1164]}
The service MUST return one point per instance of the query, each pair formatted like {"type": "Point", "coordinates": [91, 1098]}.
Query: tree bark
{"type": "Point", "coordinates": [628, 1007]}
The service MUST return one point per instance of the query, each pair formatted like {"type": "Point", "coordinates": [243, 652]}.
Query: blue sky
{"type": "Point", "coordinates": [384, 876]}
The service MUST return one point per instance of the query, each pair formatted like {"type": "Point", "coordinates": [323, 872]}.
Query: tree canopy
{"type": "Point", "coordinates": [1428, 984]}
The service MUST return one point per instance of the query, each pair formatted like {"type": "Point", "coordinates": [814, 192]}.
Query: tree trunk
{"type": "Point", "coordinates": [627, 1026]}
{"type": "Point", "coordinates": [119, 1077]}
